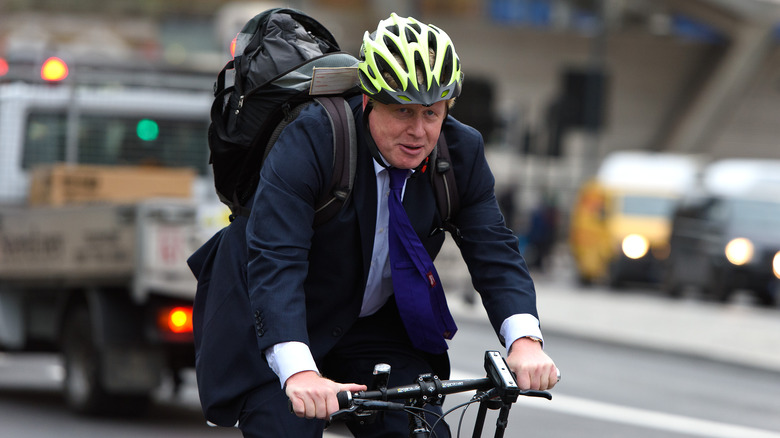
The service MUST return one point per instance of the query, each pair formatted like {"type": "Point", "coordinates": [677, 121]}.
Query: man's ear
{"type": "Point", "coordinates": [365, 101]}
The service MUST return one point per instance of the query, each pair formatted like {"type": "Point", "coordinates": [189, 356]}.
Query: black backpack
{"type": "Point", "coordinates": [276, 56]}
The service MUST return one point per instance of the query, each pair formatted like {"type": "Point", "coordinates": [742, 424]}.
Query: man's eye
{"type": "Point", "coordinates": [431, 114]}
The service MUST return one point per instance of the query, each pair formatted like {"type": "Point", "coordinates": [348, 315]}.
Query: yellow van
{"type": "Point", "coordinates": [621, 219]}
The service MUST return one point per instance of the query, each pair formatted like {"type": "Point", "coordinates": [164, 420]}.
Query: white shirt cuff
{"type": "Point", "coordinates": [520, 326]}
{"type": "Point", "coordinates": [288, 358]}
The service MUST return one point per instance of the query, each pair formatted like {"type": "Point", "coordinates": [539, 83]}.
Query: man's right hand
{"type": "Point", "coordinates": [313, 396]}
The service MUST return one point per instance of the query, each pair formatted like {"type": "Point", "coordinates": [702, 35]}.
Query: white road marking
{"type": "Point", "coordinates": [583, 407]}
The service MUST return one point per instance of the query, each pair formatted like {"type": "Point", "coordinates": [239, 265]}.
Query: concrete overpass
{"type": "Point", "coordinates": [750, 26]}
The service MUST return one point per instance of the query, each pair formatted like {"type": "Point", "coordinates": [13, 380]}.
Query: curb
{"type": "Point", "coordinates": [739, 334]}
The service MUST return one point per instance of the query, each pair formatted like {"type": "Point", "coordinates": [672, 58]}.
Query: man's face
{"type": "Point", "coordinates": [406, 134]}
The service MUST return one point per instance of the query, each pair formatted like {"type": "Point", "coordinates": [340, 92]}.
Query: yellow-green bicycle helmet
{"type": "Point", "coordinates": [404, 48]}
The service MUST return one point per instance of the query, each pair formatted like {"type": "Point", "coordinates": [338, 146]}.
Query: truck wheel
{"type": "Point", "coordinates": [83, 392]}
{"type": "Point", "coordinates": [83, 389]}
{"type": "Point", "coordinates": [583, 280]}
{"type": "Point", "coordinates": [719, 287]}
{"type": "Point", "coordinates": [669, 283]}
{"type": "Point", "coordinates": [615, 276]}
{"type": "Point", "coordinates": [767, 297]}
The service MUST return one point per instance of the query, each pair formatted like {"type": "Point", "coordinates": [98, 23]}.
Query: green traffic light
{"type": "Point", "coordinates": [147, 130]}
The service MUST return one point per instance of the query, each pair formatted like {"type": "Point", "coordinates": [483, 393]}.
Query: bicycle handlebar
{"type": "Point", "coordinates": [500, 380]}
{"type": "Point", "coordinates": [425, 389]}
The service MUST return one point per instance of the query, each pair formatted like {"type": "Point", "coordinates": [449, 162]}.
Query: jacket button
{"type": "Point", "coordinates": [260, 332]}
{"type": "Point", "coordinates": [337, 332]}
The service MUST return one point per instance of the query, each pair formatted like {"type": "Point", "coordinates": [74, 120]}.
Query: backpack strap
{"type": "Point", "coordinates": [445, 189]}
{"type": "Point", "coordinates": [344, 158]}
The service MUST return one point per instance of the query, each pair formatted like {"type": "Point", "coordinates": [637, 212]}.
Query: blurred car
{"type": "Point", "coordinates": [619, 236]}
{"type": "Point", "coordinates": [728, 238]}
{"type": "Point", "coordinates": [621, 220]}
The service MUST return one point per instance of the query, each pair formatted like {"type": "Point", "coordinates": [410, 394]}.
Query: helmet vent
{"type": "Point", "coordinates": [419, 65]}
{"type": "Point", "coordinates": [447, 66]}
{"type": "Point", "coordinates": [390, 44]}
{"type": "Point", "coordinates": [410, 36]}
{"type": "Point", "coordinates": [387, 72]}
{"type": "Point", "coordinates": [365, 81]}
{"type": "Point", "coordinates": [394, 30]}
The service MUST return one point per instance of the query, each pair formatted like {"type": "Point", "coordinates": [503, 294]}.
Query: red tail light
{"type": "Point", "coordinates": [54, 69]}
{"type": "Point", "coordinates": [176, 320]}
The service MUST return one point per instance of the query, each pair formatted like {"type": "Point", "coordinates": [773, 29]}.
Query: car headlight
{"type": "Point", "coordinates": [739, 251]}
{"type": "Point", "coordinates": [776, 264]}
{"type": "Point", "coordinates": [635, 246]}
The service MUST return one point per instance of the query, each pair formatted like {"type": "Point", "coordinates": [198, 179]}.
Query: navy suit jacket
{"type": "Point", "coordinates": [296, 273]}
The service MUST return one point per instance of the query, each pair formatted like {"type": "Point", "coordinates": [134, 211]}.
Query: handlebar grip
{"type": "Point", "coordinates": [345, 399]}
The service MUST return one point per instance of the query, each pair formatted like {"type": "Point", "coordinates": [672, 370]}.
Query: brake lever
{"type": "Point", "coordinates": [356, 408]}
{"type": "Point", "coordinates": [341, 413]}
{"type": "Point", "coordinates": [535, 393]}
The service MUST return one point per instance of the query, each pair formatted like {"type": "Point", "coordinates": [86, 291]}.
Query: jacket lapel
{"type": "Point", "coordinates": [364, 199]}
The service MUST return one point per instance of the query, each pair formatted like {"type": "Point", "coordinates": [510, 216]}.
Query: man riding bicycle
{"type": "Point", "coordinates": [327, 301]}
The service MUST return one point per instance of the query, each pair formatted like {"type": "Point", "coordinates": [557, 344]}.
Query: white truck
{"type": "Point", "coordinates": [101, 277]}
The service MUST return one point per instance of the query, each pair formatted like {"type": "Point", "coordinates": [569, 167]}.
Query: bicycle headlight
{"type": "Point", "coordinates": [776, 264]}
{"type": "Point", "coordinates": [739, 251]}
{"type": "Point", "coordinates": [635, 246]}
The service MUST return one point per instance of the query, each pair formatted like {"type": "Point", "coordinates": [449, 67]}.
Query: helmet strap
{"type": "Point", "coordinates": [372, 147]}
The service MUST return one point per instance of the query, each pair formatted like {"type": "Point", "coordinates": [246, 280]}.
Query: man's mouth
{"type": "Point", "coordinates": [411, 148]}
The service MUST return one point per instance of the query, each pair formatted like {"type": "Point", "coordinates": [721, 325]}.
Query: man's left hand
{"type": "Point", "coordinates": [532, 367]}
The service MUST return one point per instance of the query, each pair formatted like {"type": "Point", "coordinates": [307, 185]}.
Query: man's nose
{"type": "Point", "coordinates": [416, 126]}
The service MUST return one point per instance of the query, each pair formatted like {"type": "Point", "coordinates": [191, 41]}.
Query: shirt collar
{"type": "Point", "coordinates": [379, 168]}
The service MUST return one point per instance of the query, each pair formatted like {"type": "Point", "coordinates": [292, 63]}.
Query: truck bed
{"type": "Point", "coordinates": [143, 244]}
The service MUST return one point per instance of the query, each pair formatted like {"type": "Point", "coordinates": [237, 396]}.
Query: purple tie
{"type": "Point", "coordinates": [416, 284]}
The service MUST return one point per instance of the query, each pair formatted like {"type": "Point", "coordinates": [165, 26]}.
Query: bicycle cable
{"type": "Point", "coordinates": [479, 397]}
{"type": "Point", "coordinates": [421, 416]}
